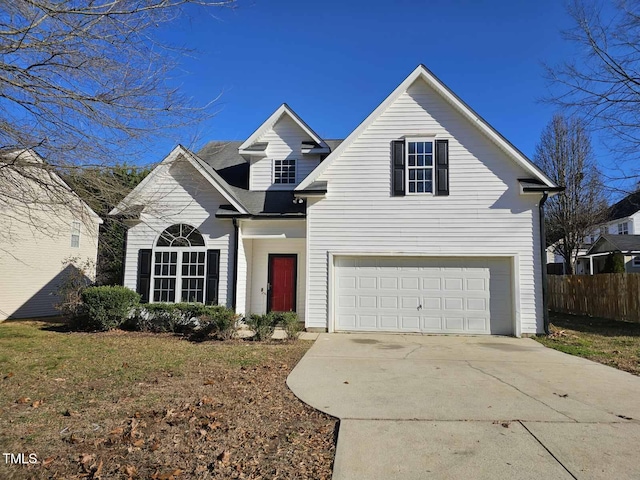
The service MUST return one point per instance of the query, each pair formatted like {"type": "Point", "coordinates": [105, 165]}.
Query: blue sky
{"type": "Point", "coordinates": [334, 61]}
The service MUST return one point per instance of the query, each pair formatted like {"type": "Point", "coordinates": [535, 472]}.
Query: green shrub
{"type": "Point", "coordinates": [221, 323]}
{"type": "Point", "coordinates": [614, 264]}
{"type": "Point", "coordinates": [105, 308]}
{"type": "Point", "coordinates": [289, 322]}
{"type": "Point", "coordinates": [262, 325]}
{"type": "Point", "coordinates": [201, 320]}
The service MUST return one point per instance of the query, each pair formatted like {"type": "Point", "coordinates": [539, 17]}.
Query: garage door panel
{"type": "Point", "coordinates": [410, 323]}
{"type": "Point", "coordinates": [423, 294]}
{"type": "Point", "coordinates": [431, 324]}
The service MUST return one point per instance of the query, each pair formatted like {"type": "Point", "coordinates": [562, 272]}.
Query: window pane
{"type": "Point", "coordinates": [420, 160]}
{"type": "Point", "coordinates": [428, 186]}
{"type": "Point", "coordinates": [420, 174]}
{"type": "Point", "coordinates": [420, 147]}
{"type": "Point", "coordinates": [420, 187]}
{"type": "Point", "coordinates": [412, 160]}
{"type": "Point", "coordinates": [412, 187]}
{"type": "Point", "coordinates": [428, 147]}
{"type": "Point", "coordinates": [428, 160]}
{"type": "Point", "coordinates": [412, 147]}
{"type": "Point", "coordinates": [412, 174]}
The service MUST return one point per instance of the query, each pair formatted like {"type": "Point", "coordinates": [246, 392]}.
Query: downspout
{"type": "Point", "coordinates": [234, 280]}
{"type": "Point", "coordinates": [543, 253]}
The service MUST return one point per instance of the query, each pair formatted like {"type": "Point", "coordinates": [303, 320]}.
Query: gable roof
{"type": "Point", "coordinates": [616, 243]}
{"type": "Point", "coordinates": [284, 109]}
{"type": "Point", "coordinates": [434, 82]}
{"type": "Point", "coordinates": [30, 155]}
{"type": "Point", "coordinates": [203, 167]}
{"type": "Point", "coordinates": [625, 207]}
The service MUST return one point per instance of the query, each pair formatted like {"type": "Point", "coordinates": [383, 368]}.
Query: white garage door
{"type": "Point", "coordinates": [420, 294]}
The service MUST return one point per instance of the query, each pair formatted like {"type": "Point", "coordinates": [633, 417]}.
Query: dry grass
{"type": "Point", "coordinates": [133, 405]}
{"type": "Point", "coordinates": [613, 343]}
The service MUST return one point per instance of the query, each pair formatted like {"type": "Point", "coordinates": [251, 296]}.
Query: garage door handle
{"type": "Point", "coordinates": [419, 307]}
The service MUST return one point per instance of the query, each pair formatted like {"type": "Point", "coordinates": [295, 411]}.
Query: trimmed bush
{"type": "Point", "coordinates": [202, 320]}
{"type": "Point", "coordinates": [262, 325]}
{"type": "Point", "coordinates": [289, 322]}
{"type": "Point", "coordinates": [106, 307]}
{"type": "Point", "coordinates": [222, 323]}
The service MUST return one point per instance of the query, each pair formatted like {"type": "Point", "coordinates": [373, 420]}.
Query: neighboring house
{"type": "Point", "coordinates": [626, 245]}
{"type": "Point", "coordinates": [623, 218]}
{"type": "Point", "coordinates": [41, 227]}
{"type": "Point", "coordinates": [424, 219]}
{"type": "Point", "coordinates": [556, 262]}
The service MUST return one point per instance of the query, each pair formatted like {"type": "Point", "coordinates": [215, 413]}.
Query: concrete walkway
{"type": "Point", "coordinates": [414, 407]}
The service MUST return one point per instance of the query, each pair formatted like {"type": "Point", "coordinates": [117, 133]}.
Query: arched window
{"type": "Point", "coordinates": [179, 265]}
{"type": "Point", "coordinates": [181, 235]}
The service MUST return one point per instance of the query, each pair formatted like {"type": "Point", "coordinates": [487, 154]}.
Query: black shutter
{"type": "Point", "coordinates": [442, 167]}
{"type": "Point", "coordinates": [144, 274]}
{"type": "Point", "coordinates": [397, 164]}
{"type": "Point", "coordinates": [213, 273]}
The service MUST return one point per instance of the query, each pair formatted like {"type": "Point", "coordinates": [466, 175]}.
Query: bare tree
{"type": "Point", "coordinates": [84, 84]}
{"type": "Point", "coordinates": [564, 153]}
{"type": "Point", "coordinates": [602, 82]}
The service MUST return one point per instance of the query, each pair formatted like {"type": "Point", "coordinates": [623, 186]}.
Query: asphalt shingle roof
{"type": "Point", "coordinates": [224, 158]}
{"type": "Point", "coordinates": [616, 243]}
{"type": "Point", "coordinates": [625, 207]}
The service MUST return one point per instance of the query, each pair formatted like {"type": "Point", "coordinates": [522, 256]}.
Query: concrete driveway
{"type": "Point", "coordinates": [415, 407]}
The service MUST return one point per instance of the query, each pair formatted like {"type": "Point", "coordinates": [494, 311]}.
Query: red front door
{"type": "Point", "coordinates": [282, 283]}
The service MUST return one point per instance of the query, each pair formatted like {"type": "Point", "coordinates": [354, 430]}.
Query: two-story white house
{"type": "Point", "coordinates": [424, 219]}
{"type": "Point", "coordinates": [620, 234]}
{"type": "Point", "coordinates": [46, 234]}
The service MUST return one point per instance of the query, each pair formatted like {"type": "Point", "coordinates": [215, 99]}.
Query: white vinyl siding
{"type": "Point", "coordinates": [483, 215]}
{"type": "Point", "coordinates": [284, 142]}
{"type": "Point", "coordinates": [180, 194]}
{"type": "Point", "coordinates": [32, 260]}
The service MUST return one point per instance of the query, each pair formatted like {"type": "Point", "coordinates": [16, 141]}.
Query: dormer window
{"type": "Point", "coordinates": [623, 228]}
{"type": "Point", "coordinates": [284, 172]}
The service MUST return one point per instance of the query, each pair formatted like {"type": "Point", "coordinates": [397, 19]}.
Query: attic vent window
{"type": "Point", "coordinates": [284, 171]}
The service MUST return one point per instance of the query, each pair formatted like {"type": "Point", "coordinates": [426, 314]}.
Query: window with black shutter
{"type": "Point", "coordinates": [420, 166]}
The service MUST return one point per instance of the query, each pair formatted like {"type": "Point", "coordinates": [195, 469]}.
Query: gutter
{"type": "Point", "coordinates": [543, 252]}
{"type": "Point", "coordinates": [234, 280]}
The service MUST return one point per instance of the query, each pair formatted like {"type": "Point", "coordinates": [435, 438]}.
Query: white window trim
{"type": "Point", "coordinates": [622, 226]}
{"type": "Point", "coordinates": [273, 171]}
{"type": "Point", "coordinates": [406, 164]}
{"type": "Point", "coordinates": [75, 231]}
{"type": "Point", "coordinates": [179, 251]}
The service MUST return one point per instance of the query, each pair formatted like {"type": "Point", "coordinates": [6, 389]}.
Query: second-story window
{"type": "Point", "coordinates": [623, 228]}
{"type": "Point", "coordinates": [75, 234]}
{"type": "Point", "coordinates": [419, 166]}
{"type": "Point", "coordinates": [284, 171]}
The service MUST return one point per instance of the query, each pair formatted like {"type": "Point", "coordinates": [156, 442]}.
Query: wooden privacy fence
{"type": "Point", "coordinates": [607, 295]}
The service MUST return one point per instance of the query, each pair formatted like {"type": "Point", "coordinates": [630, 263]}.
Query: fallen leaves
{"type": "Point", "coordinates": [218, 421]}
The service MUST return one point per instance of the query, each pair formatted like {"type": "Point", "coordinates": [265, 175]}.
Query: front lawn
{"type": "Point", "coordinates": [137, 405]}
{"type": "Point", "coordinates": [616, 344]}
